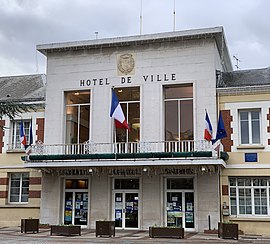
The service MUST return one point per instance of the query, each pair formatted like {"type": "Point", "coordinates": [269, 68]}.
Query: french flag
{"type": "Point", "coordinates": [208, 131]}
{"type": "Point", "coordinates": [22, 134]}
{"type": "Point", "coordinates": [117, 113]}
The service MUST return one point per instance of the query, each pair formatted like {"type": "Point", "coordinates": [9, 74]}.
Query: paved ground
{"type": "Point", "coordinates": [13, 235]}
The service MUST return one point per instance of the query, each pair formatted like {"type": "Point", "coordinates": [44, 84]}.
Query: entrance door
{"type": "Point", "coordinates": [179, 200]}
{"type": "Point", "coordinates": [126, 206]}
{"type": "Point", "coordinates": [180, 209]}
{"type": "Point", "coordinates": [76, 202]}
{"type": "Point", "coordinates": [76, 208]}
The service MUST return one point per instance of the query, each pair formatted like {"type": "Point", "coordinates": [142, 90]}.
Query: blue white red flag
{"type": "Point", "coordinates": [22, 134]}
{"type": "Point", "coordinates": [208, 131]}
{"type": "Point", "coordinates": [117, 113]}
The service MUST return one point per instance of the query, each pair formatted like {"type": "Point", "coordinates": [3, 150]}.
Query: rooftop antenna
{"type": "Point", "coordinates": [96, 33]}
{"type": "Point", "coordinates": [141, 19]}
{"type": "Point", "coordinates": [174, 15]}
{"type": "Point", "coordinates": [237, 62]}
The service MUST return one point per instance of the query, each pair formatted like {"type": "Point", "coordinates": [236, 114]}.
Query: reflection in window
{"type": "Point", "coordinates": [129, 98]}
{"type": "Point", "coordinates": [179, 112]}
{"type": "Point", "coordinates": [249, 196]}
{"type": "Point", "coordinates": [250, 126]}
{"type": "Point", "coordinates": [77, 116]}
{"type": "Point", "coordinates": [126, 184]}
{"type": "Point", "coordinates": [16, 139]}
{"type": "Point", "coordinates": [19, 188]}
{"type": "Point", "coordinates": [76, 184]}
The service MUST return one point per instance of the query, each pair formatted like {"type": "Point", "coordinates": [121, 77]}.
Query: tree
{"type": "Point", "coordinates": [12, 109]}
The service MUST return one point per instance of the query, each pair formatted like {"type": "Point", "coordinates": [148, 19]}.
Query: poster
{"type": "Point", "coordinates": [118, 199]}
{"type": "Point", "coordinates": [170, 219]}
{"type": "Point", "coordinates": [85, 205]}
{"type": "Point", "coordinates": [178, 214]}
{"type": "Point", "coordinates": [85, 197]}
{"type": "Point", "coordinates": [68, 215]}
{"type": "Point", "coordinates": [118, 205]}
{"type": "Point", "coordinates": [189, 206]}
{"type": "Point", "coordinates": [77, 205]}
{"type": "Point", "coordinates": [118, 214]}
{"type": "Point", "coordinates": [189, 217]}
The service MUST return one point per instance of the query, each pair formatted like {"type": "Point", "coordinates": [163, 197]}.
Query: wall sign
{"type": "Point", "coordinates": [251, 157]}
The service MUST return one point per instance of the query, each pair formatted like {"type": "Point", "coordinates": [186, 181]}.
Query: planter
{"type": "Point", "coordinates": [169, 232]}
{"type": "Point", "coordinates": [105, 228]}
{"type": "Point", "coordinates": [29, 225]}
{"type": "Point", "coordinates": [228, 231]}
{"type": "Point", "coordinates": [66, 230]}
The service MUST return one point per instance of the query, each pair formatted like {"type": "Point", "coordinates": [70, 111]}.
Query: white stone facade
{"type": "Point", "coordinates": [157, 63]}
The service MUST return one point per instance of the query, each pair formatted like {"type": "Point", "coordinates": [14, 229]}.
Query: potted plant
{"type": "Point", "coordinates": [105, 228]}
{"type": "Point", "coordinates": [29, 225]}
{"type": "Point", "coordinates": [228, 230]}
{"type": "Point", "coordinates": [66, 230]}
{"type": "Point", "coordinates": [170, 232]}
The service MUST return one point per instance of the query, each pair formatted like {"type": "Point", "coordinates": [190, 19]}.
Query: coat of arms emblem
{"type": "Point", "coordinates": [126, 64]}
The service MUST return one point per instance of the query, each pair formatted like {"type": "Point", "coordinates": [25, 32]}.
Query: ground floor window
{"type": "Point", "coordinates": [19, 187]}
{"type": "Point", "coordinates": [249, 196]}
{"type": "Point", "coordinates": [180, 202]}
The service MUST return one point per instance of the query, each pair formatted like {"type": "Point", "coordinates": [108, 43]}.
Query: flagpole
{"type": "Point", "coordinates": [174, 16]}
{"type": "Point", "coordinates": [141, 18]}
{"type": "Point", "coordinates": [114, 132]}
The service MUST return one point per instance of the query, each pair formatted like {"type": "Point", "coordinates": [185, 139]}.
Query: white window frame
{"type": "Point", "coordinates": [20, 188]}
{"type": "Point", "coordinates": [250, 139]}
{"type": "Point", "coordinates": [15, 141]}
{"type": "Point", "coordinates": [252, 187]}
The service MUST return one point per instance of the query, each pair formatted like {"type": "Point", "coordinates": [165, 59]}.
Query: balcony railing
{"type": "Point", "coordinates": [90, 147]}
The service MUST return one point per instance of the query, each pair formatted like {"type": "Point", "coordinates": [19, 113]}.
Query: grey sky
{"type": "Point", "coordinates": [26, 23]}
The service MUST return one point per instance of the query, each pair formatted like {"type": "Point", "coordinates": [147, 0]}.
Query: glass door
{"type": "Point", "coordinates": [174, 209]}
{"type": "Point", "coordinates": [179, 203]}
{"type": "Point", "coordinates": [189, 210]}
{"type": "Point", "coordinates": [81, 208]}
{"type": "Point", "coordinates": [76, 202]}
{"type": "Point", "coordinates": [180, 209]}
{"type": "Point", "coordinates": [126, 209]}
{"type": "Point", "coordinates": [76, 208]}
{"type": "Point", "coordinates": [68, 209]}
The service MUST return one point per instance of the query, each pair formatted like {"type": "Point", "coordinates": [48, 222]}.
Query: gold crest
{"type": "Point", "coordinates": [126, 64]}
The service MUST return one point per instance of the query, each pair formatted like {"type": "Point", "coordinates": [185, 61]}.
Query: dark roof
{"type": "Point", "coordinates": [240, 78]}
{"type": "Point", "coordinates": [23, 88]}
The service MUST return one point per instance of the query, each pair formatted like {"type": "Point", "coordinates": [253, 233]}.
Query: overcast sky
{"type": "Point", "coordinates": [26, 23]}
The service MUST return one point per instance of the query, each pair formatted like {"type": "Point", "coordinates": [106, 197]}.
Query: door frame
{"type": "Point", "coordinates": [124, 191]}
{"type": "Point", "coordinates": [182, 191]}
{"type": "Point", "coordinates": [73, 199]}
{"type": "Point", "coordinates": [124, 201]}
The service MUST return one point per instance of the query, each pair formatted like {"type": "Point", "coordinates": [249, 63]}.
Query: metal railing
{"type": "Point", "coordinates": [91, 147]}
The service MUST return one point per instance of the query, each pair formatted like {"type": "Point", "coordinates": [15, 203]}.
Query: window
{"type": "Point", "coordinates": [126, 184]}
{"type": "Point", "coordinates": [249, 196]}
{"type": "Point", "coordinates": [15, 137]}
{"type": "Point", "coordinates": [19, 188]}
{"type": "Point", "coordinates": [77, 116]}
{"type": "Point", "coordinates": [178, 112]}
{"type": "Point", "coordinates": [129, 99]}
{"type": "Point", "coordinates": [250, 127]}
